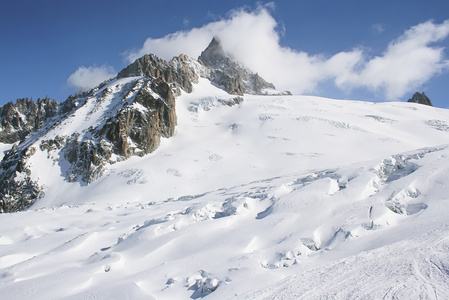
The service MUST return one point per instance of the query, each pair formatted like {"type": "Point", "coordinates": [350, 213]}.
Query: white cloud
{"type": "Point", "coordinates": [252, 38]}
{"type": "Point", "coordinates": [407, 63]}
{"type": "Point", "coordinates": [85, 78]}
{"type": "Point", "coordinates": [378, 28]}
{"type": "Point", "coordinates": [232, 31]}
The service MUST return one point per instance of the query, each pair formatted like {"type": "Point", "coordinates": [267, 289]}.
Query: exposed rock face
{"type": "Point", "coordinates": [178, 70]}
{"type": "Point", "coordinates": [17, 190]}
{"type": "Point", "coordinates": [421, 99]}
{"type": "Point", "coordinates": [234, 77]}
{"type": "Point", "coordinates": [143, 127]}
{"type": "Point", "coordinates": [215, 65]}
{"type": "Point", "coordinates": [25, 116]}
{"type": "Point", "coordinates": [135, 129]}
{"type": "Point", "coordinates": [214, 55]}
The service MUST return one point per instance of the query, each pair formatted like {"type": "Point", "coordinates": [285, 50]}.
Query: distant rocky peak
{"type": "Point", "coordinates": [231, 74]}
{"type": "Point", "coordinates": [213, 63]}
{"type": "Point", "coordinates": [177, 71]}
{"type": "Point", "coordinates": [143, 66]}
{"type": "Point", "coordinates": [214, 55]}
{"type": "Point", "coordinates": [421, 99]}
{"type": "Point", "coordinates": [19, 119]}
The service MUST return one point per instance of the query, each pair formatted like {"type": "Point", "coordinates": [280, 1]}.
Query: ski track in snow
{"type": "Point", "coordinates": [277, 198]}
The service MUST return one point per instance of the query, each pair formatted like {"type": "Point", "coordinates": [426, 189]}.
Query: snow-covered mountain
{"type": "Point", "coordinates": [123, 117]}
{"type": "Point", "coordinates": [247, 197]}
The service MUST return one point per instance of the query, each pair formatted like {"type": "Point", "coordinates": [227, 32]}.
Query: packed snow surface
{"type": "Point", "coordinates": [280, 197]}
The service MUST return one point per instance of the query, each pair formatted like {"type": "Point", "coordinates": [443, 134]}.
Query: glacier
{"type": "Point", "coordinates": [277, 197]}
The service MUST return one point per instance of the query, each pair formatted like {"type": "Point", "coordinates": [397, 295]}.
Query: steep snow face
{"type": "Point", "coordinates": [276, 196]}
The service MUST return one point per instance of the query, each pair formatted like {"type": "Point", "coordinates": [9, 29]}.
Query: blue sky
{"type": "Point", "coordinates": [350, 49]}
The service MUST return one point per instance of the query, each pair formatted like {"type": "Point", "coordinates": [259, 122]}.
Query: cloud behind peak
{"type": "Point", "coordinates": [85, 78]}
{"type": "Point", "coordinates": [253, 38]}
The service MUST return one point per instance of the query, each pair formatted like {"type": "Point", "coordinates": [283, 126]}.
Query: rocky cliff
{"type": "Point", "coordinates": [19, 119]}
{"type": "Point", "coordinates": [233, 76]}
{"type": "Point", "coordinates": [178, 71]}
{"type": "Point", "coordinates": [421, 99]}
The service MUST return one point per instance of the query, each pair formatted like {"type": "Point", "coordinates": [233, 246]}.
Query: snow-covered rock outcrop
{"type": "Point", "coordinates": [19, 119]}
{"type": "Point", "coordinates": [111, 123]}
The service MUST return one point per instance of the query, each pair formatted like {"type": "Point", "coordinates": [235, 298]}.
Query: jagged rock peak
{"type": "Point", "coordinates": [143, 66]}
{"type": "Point", "coordinates": [232, 75]}
{"type": "Point", "coordinates": [19, 119]}
{"type": "Point", "coordinates": [214, 55]}
{"type": "Point", "coordinates": [421, 99]}
{"type": "Point", "coordinates": [179, 70]}
{"type": "Point", "coordinates": [213, 63]}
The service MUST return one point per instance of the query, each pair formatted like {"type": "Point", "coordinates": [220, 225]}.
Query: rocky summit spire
{"type": "Point", "coordinates": [214, 55]}
{"type": "Point", "coordinates": [421, 99]}
{"type": "Point", "coordinates": [25, 116]}
{"type": "Point", "coordinates": [230, 74]}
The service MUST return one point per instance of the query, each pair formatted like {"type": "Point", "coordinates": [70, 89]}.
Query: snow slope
{"type": "Point", "coordinates": [4, 148]}
{"type": "Point", "coordinates": [278, 197]}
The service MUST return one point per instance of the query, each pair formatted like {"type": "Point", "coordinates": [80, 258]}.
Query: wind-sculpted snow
{"type": "Point", "coordinates": [228, 241]}
{"type": "Point", "coordinates": [271, 197]}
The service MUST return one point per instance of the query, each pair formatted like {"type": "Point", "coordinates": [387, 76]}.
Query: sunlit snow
{"type": "Point", "coordinates": [279, 196]}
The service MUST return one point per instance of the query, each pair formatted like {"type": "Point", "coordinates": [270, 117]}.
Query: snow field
{"type": "Point", "coordinates": [234, 239]}
{"type": "Point", "coordinates": [280, 196]}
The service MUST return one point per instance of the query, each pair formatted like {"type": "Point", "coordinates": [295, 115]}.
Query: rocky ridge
{"type": "Point", "coordinates": [180, 71]}
{"type": "Point", "coordinates": [234, 77]}
{"type": "Point", "coordinates": [122, 117]}
{"type": "Point", "coordinates": [420, 98]}
{"type": "Point", "coordinates": [19, 119]}
{"type": "Point", "coordinates": [213, 64]}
